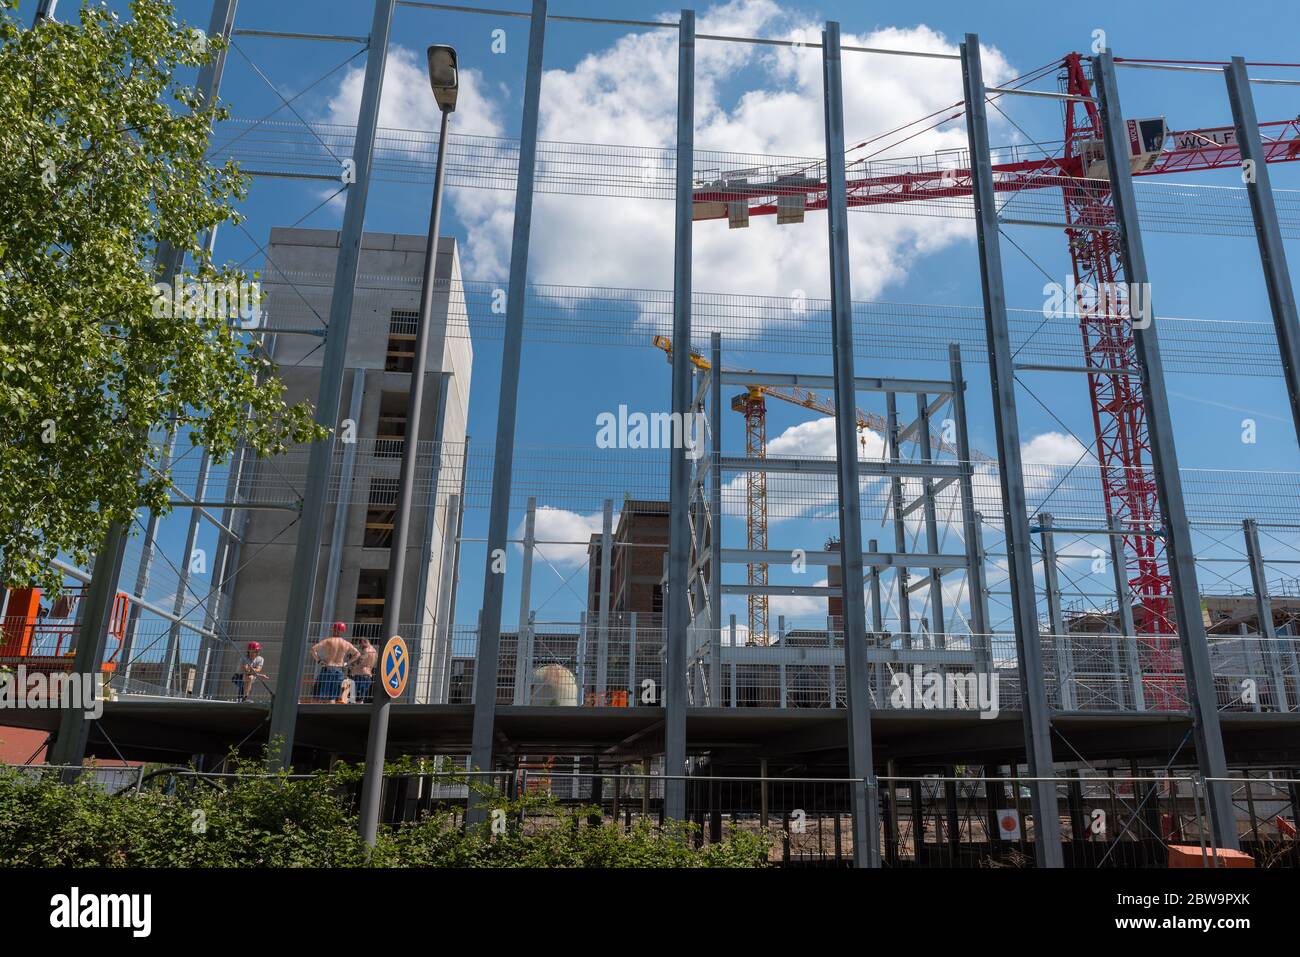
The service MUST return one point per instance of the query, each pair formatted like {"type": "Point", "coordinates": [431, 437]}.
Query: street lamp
{"type": "Point", "coordinates": [444, 79]}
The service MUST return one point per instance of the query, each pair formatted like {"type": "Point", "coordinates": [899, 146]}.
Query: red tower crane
{"type": "Point", "coordinates": [1119, 421]}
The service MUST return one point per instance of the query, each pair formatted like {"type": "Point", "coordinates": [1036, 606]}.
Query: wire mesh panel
{"type": "Point", "coordinates": [914, 186]}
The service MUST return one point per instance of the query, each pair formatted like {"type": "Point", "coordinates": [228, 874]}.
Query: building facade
{"type": "Point", "coordinates": [352, 568]}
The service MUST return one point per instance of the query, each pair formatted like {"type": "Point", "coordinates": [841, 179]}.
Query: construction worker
{"type": "Point", "coordinates": [363, 672]}
{"type": "Point", "coordinates": [334, 654]}
{"type": "Point", "coordinates": [248, 671]}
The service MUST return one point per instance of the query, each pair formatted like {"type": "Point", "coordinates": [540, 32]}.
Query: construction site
{"type": "Point", "coordinates": [777, 584]}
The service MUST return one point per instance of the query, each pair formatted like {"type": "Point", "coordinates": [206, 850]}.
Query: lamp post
{"type": "Point", "coordinates": [443, 78]}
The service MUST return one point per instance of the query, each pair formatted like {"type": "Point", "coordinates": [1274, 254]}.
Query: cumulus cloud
{"type": "Point", "coordinates": [625, 94]}
{"type": "Point", "coordinates": [572, 529]}
{"type": "Point", "coordinates": [1055, 448]}
{"type": "Point", "coordinates": [798, 607]}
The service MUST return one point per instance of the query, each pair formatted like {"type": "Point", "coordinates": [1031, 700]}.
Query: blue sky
{"type": "Point", "coordinates": [604, 89]}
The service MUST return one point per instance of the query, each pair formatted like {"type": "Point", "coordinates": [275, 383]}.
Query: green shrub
{"type": "Point", "coordinates": [279, 821]}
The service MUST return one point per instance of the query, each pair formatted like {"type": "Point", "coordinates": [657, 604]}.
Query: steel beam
{"type": "Point", "coordinates": [1272, 251]}
{"type": "Point", "coordinates": [679, 520]}
{"type": "Point", "coordinates": [866, 840]}
{"type": "Point", "coordinates": [1124, 606]}
{"type": "Point", "coordinates": [494, 580]}
{"type": "Point", "coordinates": [1029, 651]}
{"type": "Point", "coordinates": [870, 558]}
{"type": "Point", "coordinates": [860, 383]}
{"type": "Point", "coordinates": [1197, 670]}
{"type": "Point", "coordinates": [302, 586]}
{"type": "Point", "coordinates": [893, 469]}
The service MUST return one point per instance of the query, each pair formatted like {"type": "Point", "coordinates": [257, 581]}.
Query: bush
{"type": "Point", "coordinates": [278, 821]}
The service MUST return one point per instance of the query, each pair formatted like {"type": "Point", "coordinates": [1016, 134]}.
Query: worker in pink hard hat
{"type": "Point", "coordinates": [249, 671]}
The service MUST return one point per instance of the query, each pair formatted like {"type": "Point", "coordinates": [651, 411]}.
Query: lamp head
{"type": "Point", "coordinates": [443, 76]}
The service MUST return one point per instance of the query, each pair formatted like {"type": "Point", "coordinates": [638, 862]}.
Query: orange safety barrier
{"type": "Point", "coordinates": [607, 699]}
{"type": "Point", "coordinates": [37, 639]}
{"type": "Point", "coordinates": [1181, 855]}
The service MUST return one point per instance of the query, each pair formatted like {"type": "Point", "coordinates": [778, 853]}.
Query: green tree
{"type": "Point", "coordinates": [104, 162]}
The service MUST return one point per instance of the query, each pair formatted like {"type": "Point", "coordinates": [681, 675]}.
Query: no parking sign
{"type": "Point", "coordinates": [393, 667]}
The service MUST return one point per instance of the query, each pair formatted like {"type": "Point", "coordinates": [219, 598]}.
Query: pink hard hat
{"type": "Point", "coordinates": [254, 646]}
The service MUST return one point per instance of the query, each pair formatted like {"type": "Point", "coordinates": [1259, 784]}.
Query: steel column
{"type": "Point", "coordinates": [338, 536]}
{"type": "Point", "coordinates": [421, 603]}
{"type": "Point", "coordinates": [877, 625]}
{"type": "Point", "coordinates": [900, 525]}
{"type": "Point", "coordinates": [971, 521]}
{"type": "Point", "coordinates": [172, 656]}
{"type": "Point", "coordinates": [715, 510]}
{"type": "Point", "coordinates": [1272, 251]}
{"type": "Point", "coordinates": [1197, 669]}
{"type": "Point", "coordinates": [1056, 622]}
{"type": "Point", "coordinates": [679, 522]}
{"type": "Point", "coordinates": [937, 635]}
{"type": "Point", "coordinates": [494, 580]}
{"type": "Point", "coordinates": [1124, 607]}
{"type": "Point", "coordinates": [1029, 651]}
{"type": "Point", "coordinates": [1264, 609]}
{"type": "Point", "coordinates": [443, 631]}
{"type": "Point", "coordinates": [524, 645]}
{"type": "Point", "coordinates": [208, 84]}
{"type": "Point", "coordinates": [302, 586]}
{"type": "Point", "coordinates": [633, 693]}
{"type": "Point", "coordinates": [69, 747]}
{"type": "Point", "coordinates": [866, 840]}
{"type": "Point", "coordinates": [602, 624]}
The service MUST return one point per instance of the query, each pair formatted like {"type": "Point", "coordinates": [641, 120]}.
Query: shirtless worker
{"type": "Point", "coordinates": [333, 654]}
{"type": "Point", "coordinates": [363, 672]}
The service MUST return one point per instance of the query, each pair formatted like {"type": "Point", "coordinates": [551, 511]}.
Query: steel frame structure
{"type": "Point", "coordinates": [1103, 223]}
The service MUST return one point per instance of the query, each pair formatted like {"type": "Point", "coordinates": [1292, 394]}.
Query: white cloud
{"type": "Point", "coordinates": [625, 94]}
{"type": "Point", "coordinates": [407, 104]}
{"type": "Point", "coordinates": [798, 607]}
{"type": "Point", "coordinates": [572, 529]}
{"type": "Point", "coordinates": [1054, 448]}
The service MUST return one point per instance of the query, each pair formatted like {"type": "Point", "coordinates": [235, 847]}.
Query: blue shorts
{"type": "Point", "coordinates": [328, 684]}
{"type": "Point", "coordinates": [362, 686]}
